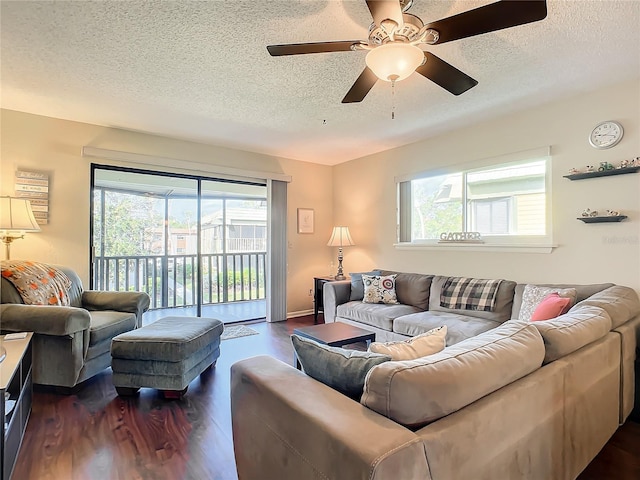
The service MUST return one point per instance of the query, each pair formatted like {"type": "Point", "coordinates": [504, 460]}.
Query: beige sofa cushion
{"type": "Point", "coordinates": [567, 333]}
{"type": "Point", "coordinates": [501, 311]}
{"type": "Point", "coordinates": [421, 345]}
{"type": "Point", "coordinates": [621, 303]}
{"type": "Point", "coordinates": [417, 392]}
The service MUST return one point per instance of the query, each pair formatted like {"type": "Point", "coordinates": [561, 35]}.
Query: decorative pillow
{"type": "Point", "coordinates": [37, 283]}
{"type": "Point", "coordinates": [379, 289]}
{"type": "Point", "coordinates": [357, 287]}
{"type": "Point", "coordinates": [469, 293]}
{"type": "Point", "coordinates": [552, 306]}
{"type": "Point", "coordinates": [421, 345]}
{"type": "Point", "coordinates": [341, 369]}
{"type": "Point", "coordinates": [534, 294]}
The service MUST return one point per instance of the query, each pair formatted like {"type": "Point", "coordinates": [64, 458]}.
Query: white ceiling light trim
{"type": "Point", "coordinates": [394, 61]}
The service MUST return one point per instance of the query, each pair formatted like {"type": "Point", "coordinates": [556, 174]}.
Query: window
{"type": "Point", "coordinates": [507, 203]}
{"type": "Point", "coordinates": [436, 206]}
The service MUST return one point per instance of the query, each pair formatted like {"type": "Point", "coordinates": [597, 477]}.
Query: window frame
{"type": "Point", "coordinates": [519, 243]}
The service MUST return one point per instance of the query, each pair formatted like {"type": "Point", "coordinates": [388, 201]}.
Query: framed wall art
{"type": "Point", "coordinates": [305, 220]}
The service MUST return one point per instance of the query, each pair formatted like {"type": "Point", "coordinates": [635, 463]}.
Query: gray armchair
{"type": "Point", "coordinates": [71, 344]}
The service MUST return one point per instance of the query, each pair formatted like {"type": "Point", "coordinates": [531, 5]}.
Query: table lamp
{"type": "Point", "coordinates": [340, 237]}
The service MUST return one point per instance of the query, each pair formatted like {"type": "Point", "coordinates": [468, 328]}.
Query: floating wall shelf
{"type": "Point", "coordinates": [611, 218]}
{"type": "Point", "coordinates": [606, 173]}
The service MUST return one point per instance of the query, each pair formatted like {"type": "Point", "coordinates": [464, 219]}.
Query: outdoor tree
{"type": "Point", "coordinates": [131, 221]}
{"type": "Point", "coordinates": [436, 209]}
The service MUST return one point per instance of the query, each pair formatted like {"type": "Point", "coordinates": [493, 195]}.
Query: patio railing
{"type": "Point", "coordinates": [172, 280]}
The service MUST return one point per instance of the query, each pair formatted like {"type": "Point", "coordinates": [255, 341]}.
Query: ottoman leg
{"type": "Point", "coordinates": [127, 391]}
{"type": "Point", "coordinates": [210, 367]}
{"type": "Point", "coordinates": [174, 394]}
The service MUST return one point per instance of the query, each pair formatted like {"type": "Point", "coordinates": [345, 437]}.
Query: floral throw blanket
{"type": "Point", "coordinates": [37, 283]}
{"type": "Point", "coordinates": [469, 293]}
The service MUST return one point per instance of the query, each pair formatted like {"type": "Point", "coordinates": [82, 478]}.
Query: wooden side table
{"type": "Point", "coordinates": [318, 284]}
{"type": "Point", "coordinates": [16, 393]}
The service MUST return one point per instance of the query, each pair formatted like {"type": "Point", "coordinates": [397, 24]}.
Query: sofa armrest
{"type": "Point", "coordinates": [334, 294]}
{"type": "Point", "coordinates": [130, 302]}
{"type": "Point", "coordinates": [287, 425]}
{"type": "Point", "coordinates": [44, 319]}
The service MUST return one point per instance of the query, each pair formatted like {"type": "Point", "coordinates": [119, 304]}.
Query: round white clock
{"type": "Point", "coordinates": [606, 134]}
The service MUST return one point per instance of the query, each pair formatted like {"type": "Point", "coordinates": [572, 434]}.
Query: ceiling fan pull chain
{"type": "Point", "coordinates": [393, 99]}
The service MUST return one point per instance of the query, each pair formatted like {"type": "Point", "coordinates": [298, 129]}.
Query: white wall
{"type": "Point", "coordinates": [31, 142]}
{"type": "Point", "coordinates": [365, 194]}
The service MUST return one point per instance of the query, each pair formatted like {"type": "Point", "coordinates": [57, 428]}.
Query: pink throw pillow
{"type": "Point", "coordinates": [552, 306]}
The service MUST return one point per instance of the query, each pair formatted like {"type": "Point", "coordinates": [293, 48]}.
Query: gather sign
{"type": "Point", "coordinates": [460, 237]}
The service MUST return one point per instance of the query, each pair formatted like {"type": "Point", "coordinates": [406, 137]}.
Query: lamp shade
{"type": "Point", "coordinates": [16, 215]}
{"type": "Point", "coordinates": [340, 237]}
{"type": "Point", "coordinates": [394, 61]}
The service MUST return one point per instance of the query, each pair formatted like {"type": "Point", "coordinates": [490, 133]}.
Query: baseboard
{"type": "Point", "coordinates": [301, 313]}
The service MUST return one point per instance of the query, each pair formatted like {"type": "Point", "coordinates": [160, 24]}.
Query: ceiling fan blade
{"type": "Point", "coordinates": [445, 75]}
{"type": "Point", "coordinates": [489, 18]}
{"type": "Point", "coordinates": [383, 9]}
{"type": "Point", "coordinates": [304, 48]}
{"type": "Point", "coordinates": [361, 87]}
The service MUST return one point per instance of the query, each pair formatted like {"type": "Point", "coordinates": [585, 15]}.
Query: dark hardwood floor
{"type": "Point", "coordinates": [95, 434]}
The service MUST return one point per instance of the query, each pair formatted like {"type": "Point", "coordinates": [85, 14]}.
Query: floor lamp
{"type": "Point", "coordinates": [340, 237]}
{"type": "Point", "coordinates": [16, 218]}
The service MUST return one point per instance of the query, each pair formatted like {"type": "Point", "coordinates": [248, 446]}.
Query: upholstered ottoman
{"type": "Point", "coordinates": [167, 354]}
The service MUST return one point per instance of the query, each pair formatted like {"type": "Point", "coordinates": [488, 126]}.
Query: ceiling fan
{"type": "Point", "coordinates": [394, 37]}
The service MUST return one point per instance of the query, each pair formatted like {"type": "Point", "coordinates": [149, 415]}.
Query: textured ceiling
{"type": "Point", "coordinates": [200, 70]}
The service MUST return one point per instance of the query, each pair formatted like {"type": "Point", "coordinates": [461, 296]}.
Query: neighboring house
{"type": "Point", "coordinates": [507, 201]}
{"type": "Point", "coordinates": [246, 230]}
{"type": "Point", "coordinates": [181, 241]}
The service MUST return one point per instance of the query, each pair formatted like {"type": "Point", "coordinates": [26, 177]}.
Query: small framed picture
{"type": "Point", "coordinates": [305, 220]}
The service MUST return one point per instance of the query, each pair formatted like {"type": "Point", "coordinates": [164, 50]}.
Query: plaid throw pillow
{"type": "Point", "coordinates": [462, 293]}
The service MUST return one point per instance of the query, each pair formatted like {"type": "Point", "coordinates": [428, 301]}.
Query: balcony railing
{"type": "Point", "coordinates": [172, 280]}
{"type": "Point", "coordinates": [246, 244]}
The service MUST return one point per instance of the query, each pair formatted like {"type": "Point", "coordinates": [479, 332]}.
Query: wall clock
{"type": "Point", "coordinates": [606, 135]}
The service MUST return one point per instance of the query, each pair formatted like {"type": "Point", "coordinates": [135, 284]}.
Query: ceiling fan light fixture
{"type": "Point", "coordinates": [394, 61]}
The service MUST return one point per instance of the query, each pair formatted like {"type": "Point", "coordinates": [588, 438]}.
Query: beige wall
{"type": "Point", "coordinates": [362, 193]}
{"type": "Point", "coordinates": [33, 142]}
{"type": "Point", "coordinates": [365, 194]}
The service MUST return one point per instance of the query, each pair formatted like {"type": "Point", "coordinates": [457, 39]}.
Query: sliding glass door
{"type": "Point", "coordinates": [197, 246]}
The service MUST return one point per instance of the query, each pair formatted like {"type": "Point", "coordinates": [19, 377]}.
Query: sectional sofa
{"type": "Point", "coordinates": [506, 399]}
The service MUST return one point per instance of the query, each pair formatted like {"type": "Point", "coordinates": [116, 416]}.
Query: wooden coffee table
{"type": "Point", "coordinates": [334, 334]}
